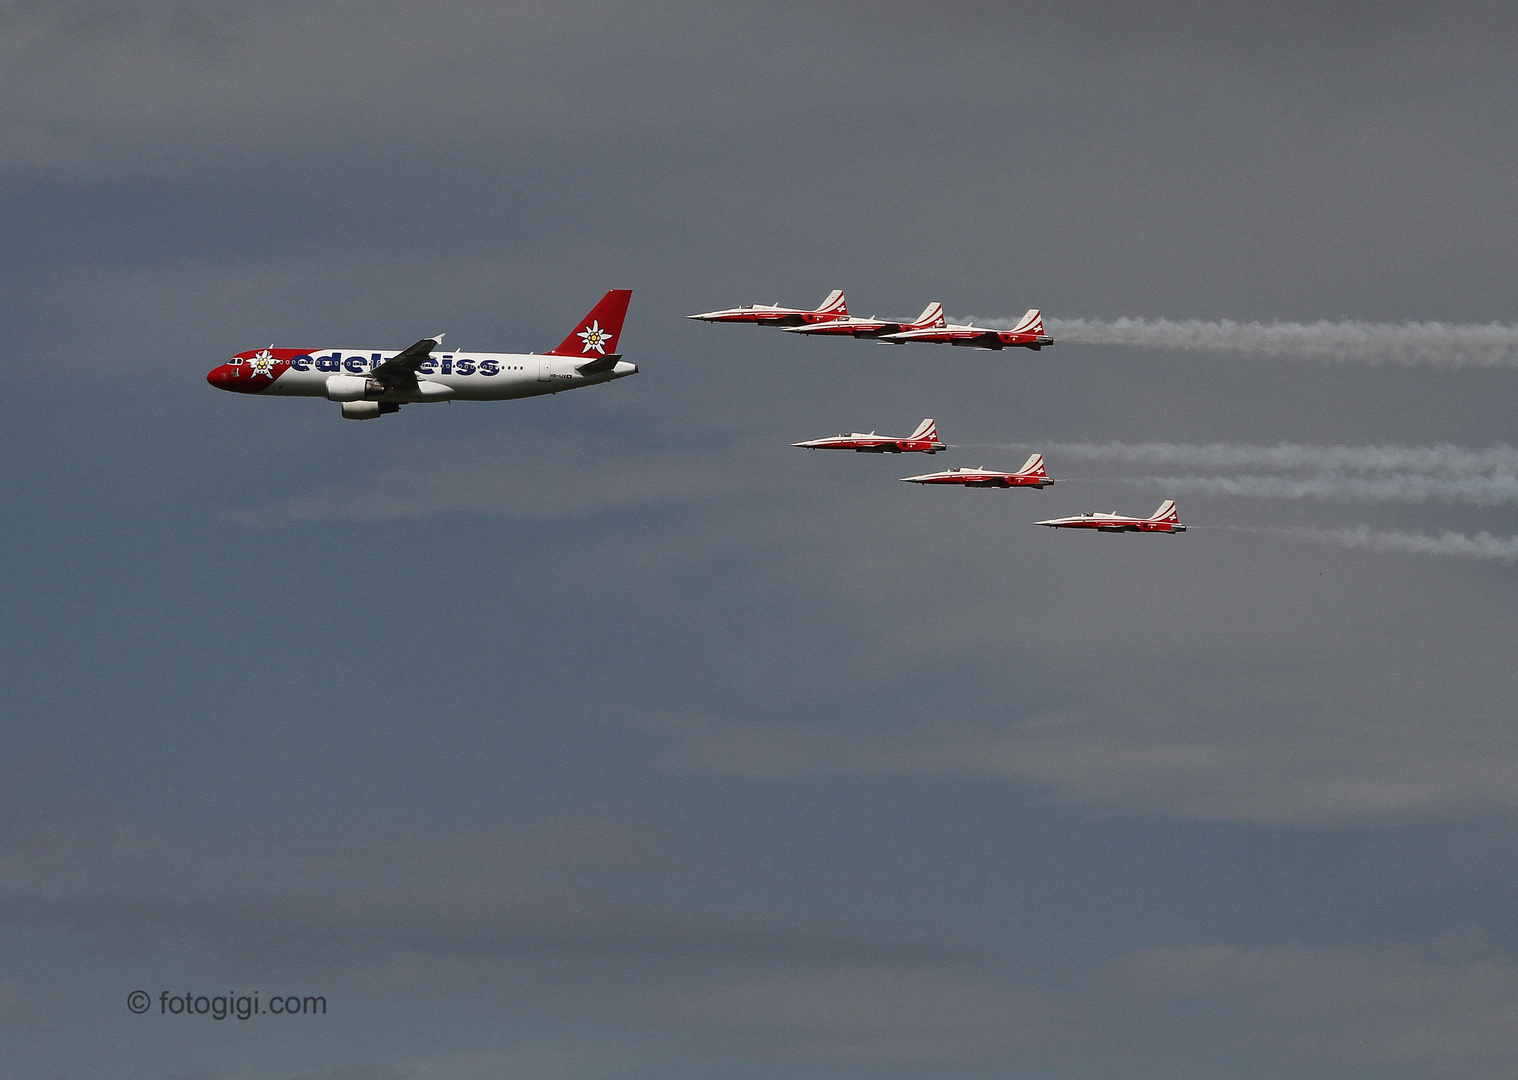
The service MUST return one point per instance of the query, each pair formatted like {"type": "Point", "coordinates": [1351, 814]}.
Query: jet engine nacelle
{"type": "Point", "coordinates": [367, 410]}
{"type": "Point", "coordinates": [352, 388]}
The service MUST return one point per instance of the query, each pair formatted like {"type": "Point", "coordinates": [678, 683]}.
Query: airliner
{"type": "Point", "coordinates": [373, 382]}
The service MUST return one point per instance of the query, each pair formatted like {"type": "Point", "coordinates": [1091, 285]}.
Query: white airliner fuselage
{"type": "Point", "coordinates": [370, 382]}
{"type": "Point", "coordinates": [472, 376]}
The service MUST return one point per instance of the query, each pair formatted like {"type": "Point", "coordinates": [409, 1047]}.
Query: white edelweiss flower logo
{"type": "Point", "coordinates": [595, 338]}
{"type": "Point", "coordinates": [263, 363]}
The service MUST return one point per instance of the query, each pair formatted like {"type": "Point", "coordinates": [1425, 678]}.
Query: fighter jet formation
{"type": "Point", "coordinates": [832, 319]}
{"type": "Point", "coordinates": [1034, 474]}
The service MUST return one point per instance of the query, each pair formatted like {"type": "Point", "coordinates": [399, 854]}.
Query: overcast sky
{"type": "Point", "coordinates": [605, 736]}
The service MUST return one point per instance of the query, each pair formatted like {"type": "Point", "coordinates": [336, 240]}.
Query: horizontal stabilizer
{"type": "Point", "coordinates": [599, 365]}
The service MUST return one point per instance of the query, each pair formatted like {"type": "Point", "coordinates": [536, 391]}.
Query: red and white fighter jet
{"type": "Point", "coordinates": [1032, 475]}
{"type": "Point", "coordinates": [834, 307]}
{"type": "Point", "coordinates": [932, 316]}
{"type": "Point", "coordinates": [922, 441]}
{"type": "Point", "coordinates": [1027, 334]}
{"type": "Point", "coordinates": [373, 382]}
{"type": "Point", "coordinates": [1165, 520]}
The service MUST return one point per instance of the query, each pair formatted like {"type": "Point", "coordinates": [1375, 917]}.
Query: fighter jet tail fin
{"type": "Point", "coordinates": [835, 304]}
{"type": "Point", "coordinates": [1031, 323]}
{"type": "Point", "coordinates": [1034, 466]}
{"type": "Point", "coordinates": [932, 317]}
{"type": "Point", "coordinates": [1167, 512]}
{"type": "Point", "coordinates": [928, 430]}
{"type": "Point", "coordinates": [598, 333]}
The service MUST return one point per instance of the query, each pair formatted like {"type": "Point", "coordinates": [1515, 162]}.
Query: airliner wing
{"type": "Point", "coordinates": [401, 368]}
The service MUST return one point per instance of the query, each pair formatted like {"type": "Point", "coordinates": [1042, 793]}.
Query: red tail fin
{"type": "Point", "coordinates": [932, 316]}
{"type": "Point", "coordinates": [835, 304]}
{"type": "Point", "coordinates": [597, 333]}
{"type": "Point", "coordinates": [1034, 466]}
{"type": "Point", "coordinates": [1032, 323]}
{"type": "Point", "coordinates": [1166, 512]}
{"type": "Point", "coordinates": [926, 430]}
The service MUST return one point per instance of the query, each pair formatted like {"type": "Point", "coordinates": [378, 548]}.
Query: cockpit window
{"type": "Point", "coordinates": [236, 361]}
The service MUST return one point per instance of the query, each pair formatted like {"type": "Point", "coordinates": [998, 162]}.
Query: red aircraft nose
{"type": "Point", "coordinates": [230, 377]}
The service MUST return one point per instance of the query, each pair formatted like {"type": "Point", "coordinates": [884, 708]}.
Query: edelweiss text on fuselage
{"type": "Point", "coordinates": [370, 383]}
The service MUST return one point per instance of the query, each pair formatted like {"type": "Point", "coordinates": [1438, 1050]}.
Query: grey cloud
{"type": "Point", "coordinates": [1411, 1011]}
{"type": "Point", "coordinates": [584, 1058]}
{"type": "Point", "coordinates": [1130, 755]}
{"type": "Point", "coordinates": [377, 900]}
{"type": "Point", "coordinates": [145, 87]}
{"type": "Point", "coordinates": [531, 474]}
{"type": "Point", "coordinates": [107, 85]}
{"type": "Point", "coordinates": [434, 909]}
{"type": "Point", "coordinates": [1443, 1009]}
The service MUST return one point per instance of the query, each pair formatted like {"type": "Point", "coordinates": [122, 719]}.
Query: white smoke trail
{"type": "Point", "coordinates": [1484, 491]}
{"type": "Point", "coordinates": [1445, 345]}
{"type": "Point", "coordinates": [1449, 462]}
{"type": "Point", "coordinates": [1481, 546]}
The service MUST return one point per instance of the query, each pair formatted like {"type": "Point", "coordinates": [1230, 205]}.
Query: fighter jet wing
{"type": "Point", "coordinates": [401, 368]}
